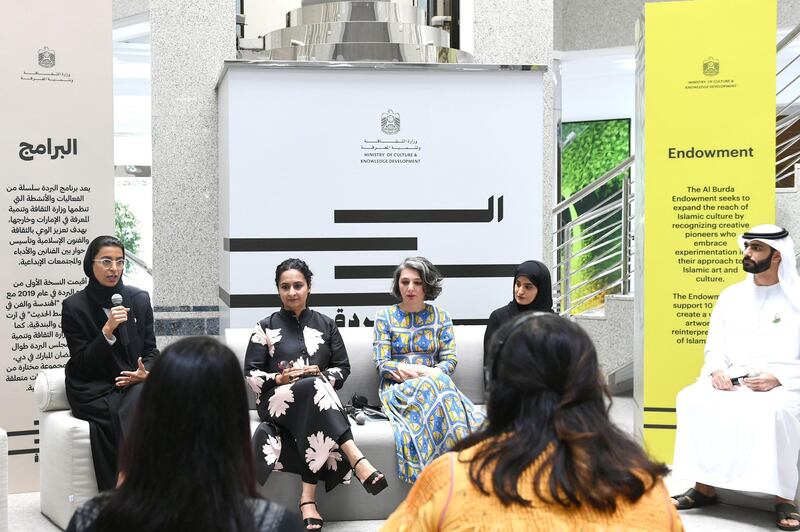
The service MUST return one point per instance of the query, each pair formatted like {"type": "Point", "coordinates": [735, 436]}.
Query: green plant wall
{"type": "Point", "coordinates": [591, 149]}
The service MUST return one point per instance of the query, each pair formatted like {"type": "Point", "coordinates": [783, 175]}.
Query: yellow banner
{"type": "Point", "coordinates": [709, 174]}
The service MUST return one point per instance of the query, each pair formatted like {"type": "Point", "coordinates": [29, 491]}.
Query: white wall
{"type": "Point", "coordinates": [263, 16]}
{"type": "Point", "coordinates": [597, 84]}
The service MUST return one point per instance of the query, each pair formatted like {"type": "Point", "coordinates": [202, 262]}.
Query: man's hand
{"type": "Point", "coordinates": [763, 382]}
{"type": "Point", "coordinates": [721, 381]}
{"type": "Point", "coordinates": [116, 316]}
{"type": "Point", "coordinates": [127, 378]}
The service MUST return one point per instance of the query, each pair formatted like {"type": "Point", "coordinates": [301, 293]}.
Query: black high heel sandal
{"type": "Point", "coordinates": [312, 521]}
{"type": "Point", "coordinates": [372, 487]}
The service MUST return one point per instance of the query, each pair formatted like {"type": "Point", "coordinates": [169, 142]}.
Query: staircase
{"type": "Point", "coordinates": [355, 31]}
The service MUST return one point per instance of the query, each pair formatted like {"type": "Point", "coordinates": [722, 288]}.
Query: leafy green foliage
{"type": "Point", "coordinates": [597, 147]}
{"type": "Point", "coordinates": [126, 227]}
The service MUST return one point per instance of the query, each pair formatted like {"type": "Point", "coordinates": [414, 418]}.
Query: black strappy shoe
{"type": "Point", "coordinates": [311, 521]}
{"type": "Point", "coordinates": [369, 484]}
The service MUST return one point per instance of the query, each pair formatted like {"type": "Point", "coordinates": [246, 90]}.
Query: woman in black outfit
{"type": "Point", "coordinates": [295, 360]}
{"type": "Point", "coordinates": [110, 348]}
{"type": "Point", "coordinates": [532, 292]}
{"type": "Point", "coordinates": [187, 464]}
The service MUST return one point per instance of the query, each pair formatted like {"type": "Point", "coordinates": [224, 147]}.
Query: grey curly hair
{"type": "Point", "coordinates": [431, 278]}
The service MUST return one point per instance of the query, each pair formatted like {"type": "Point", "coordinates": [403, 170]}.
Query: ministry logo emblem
{"type": "Point", "coordinates": [47, 58]}
{"type": "Point", "coordinates": [390, 122]}
{"type": "Point", "coordinates": [710, 66]}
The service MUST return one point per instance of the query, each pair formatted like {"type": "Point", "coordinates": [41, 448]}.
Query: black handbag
{"type": "Point", "coordinates": [360, 404]}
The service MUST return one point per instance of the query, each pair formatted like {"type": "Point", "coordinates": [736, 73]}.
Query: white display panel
{"type": "Point", "coordinates": [311, 154]}
{"type": "Point", "coordinates": [56, 186]}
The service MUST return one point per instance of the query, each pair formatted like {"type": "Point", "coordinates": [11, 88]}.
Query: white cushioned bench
{"type": "Point", "coordinates": [67, 471]}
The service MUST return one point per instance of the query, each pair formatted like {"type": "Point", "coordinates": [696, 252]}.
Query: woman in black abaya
{"type": "Point", "coordinates": [106, 364]}
{"type": "Point", "coordinates": [532, 292]}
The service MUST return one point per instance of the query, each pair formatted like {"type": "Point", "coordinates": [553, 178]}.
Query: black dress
{"type": "Point", "coordinates": [94, 365]}
{"type": "Point", "coordinates": [304, 423]}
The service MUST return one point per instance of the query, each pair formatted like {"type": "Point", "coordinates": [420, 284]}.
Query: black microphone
{"type": "Point", "coordinates": [116, 300]}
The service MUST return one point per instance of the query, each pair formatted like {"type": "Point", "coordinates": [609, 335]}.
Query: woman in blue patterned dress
{"type": "Point", "coordinates": [415, 354]}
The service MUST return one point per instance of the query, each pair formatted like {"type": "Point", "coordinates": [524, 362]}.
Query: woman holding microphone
{"type": "Point", "coordinates": [108, 327]}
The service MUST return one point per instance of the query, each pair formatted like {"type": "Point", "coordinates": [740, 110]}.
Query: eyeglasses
{"type": "Point", "coordinates": [108, 263]}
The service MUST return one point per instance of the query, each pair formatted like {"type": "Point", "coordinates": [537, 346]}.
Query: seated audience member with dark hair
{"type": "Point", "coordinates": [549, 457]}
{"type": "Point", "coordinates": [187, 463]}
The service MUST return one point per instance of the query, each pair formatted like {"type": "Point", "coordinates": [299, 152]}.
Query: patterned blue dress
{"type": "Point", "coordinates": [428, 414]}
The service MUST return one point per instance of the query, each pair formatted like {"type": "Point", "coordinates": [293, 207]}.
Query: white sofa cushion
{"type": "Point", "coordinates": [50, 391]}
{"type": "Point", "coordinates": [67, 470]}
{"type": "Point", "coordinates": [66, 467]}
{"type": "Point", "coordinates": [363, 376]}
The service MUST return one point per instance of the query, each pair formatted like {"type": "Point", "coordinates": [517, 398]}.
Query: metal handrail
{"type": "Point", "coordinates": [785, 145]}
{"type": "Point", "coordinates": [585, 191]}
{"type": "Point", "coordinates": [603, 232]}
{"type": "Point", "coordinates": [788, 39]}
{"type": "Point", "coordinates": [787, 150]}
{"type": "Point", "coordinates": [601, 259]}
{"type": "Point", "coordinates": [600, 275]}
{"type": "Point", "coordinates": [591, 215]}
{"type": "Point", "coordinates": [586, 233]}
{"type": "Point", "coordinates": [579, 301]}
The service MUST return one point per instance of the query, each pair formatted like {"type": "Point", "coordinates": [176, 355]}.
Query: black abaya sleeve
{"type": "Point", "coordinates": [88, 355]}
{"type": "Point", "coordinates": [339, 368]}
{"type": "Point", "coordinates": [147, 332]}
{"type": "Point", "coordinates": [492, 326]}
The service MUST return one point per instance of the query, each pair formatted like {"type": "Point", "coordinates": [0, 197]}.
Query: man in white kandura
{"type": "Point", "coordinates": [739, 424]}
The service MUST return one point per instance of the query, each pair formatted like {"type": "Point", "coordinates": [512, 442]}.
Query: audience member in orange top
{"type": "Point", "coordinates": [548, 458]}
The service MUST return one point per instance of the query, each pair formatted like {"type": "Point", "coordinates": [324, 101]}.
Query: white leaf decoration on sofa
{"type": "Point", "coordinates": [319, 449]}
{"type": "Point", "coordinates": [279, 402]}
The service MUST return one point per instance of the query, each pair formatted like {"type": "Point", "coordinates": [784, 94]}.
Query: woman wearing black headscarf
{"type": "Point", "coordinates": [532, 291]}
{"type": "Point", "coordinates": [110, 348]}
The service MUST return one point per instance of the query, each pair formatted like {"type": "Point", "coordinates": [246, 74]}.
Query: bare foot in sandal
{"type": "Point", "coordinates": [786, 515]}
{"type": "Point", "coordinates": [699, 495]}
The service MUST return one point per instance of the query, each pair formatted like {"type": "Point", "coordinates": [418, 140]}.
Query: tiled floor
{"type": "Point", "coordinates": [24, 516]}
